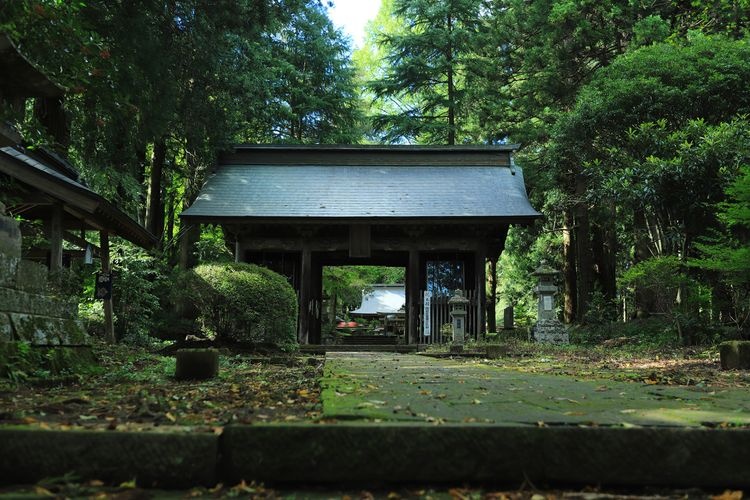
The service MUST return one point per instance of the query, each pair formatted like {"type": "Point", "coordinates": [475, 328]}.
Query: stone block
{"type": "Point", "coordinates": [45, 330]}
{"type": "Point", "coordinates": [10, 237]}
{"type": "Point", "coordinates": [735, 355]}
{"type": "Point", "coordinates": [8, 270]}
{"type": "Point", "coordinates": [495, 351]}
{"type": "Point", "coordinates": [31, 276]}
{"type": "Point", "coordinates": [550, 331]}
{"type": "Point", "coordinates": [19, 301]}
{"type": "Point", "coordinates": [197, 364]}
{"type": "Point", "coordinates": [153, 459]}
{"type": "Point", "coordinates": [6, 328]}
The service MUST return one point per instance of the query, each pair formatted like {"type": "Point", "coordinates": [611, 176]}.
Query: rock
{"type": "Point", "coordinates": [735, 355]}
{"type": "Point", "coordinates": [196, 364]}
{"type": "Point", "coordinates": [495, 351]}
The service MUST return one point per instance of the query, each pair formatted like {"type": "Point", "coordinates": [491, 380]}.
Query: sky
{"type": "Point", "coordinates": [352, 15]}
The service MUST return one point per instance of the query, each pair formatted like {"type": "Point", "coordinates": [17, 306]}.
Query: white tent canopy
{"type": "Point", "coordinates": [381, 299]}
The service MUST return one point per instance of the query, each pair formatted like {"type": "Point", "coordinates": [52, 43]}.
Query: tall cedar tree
{"type": "Point", "coordinates": [427, 65]}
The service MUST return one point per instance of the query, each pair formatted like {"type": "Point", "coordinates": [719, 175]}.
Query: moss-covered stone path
{"type": "Point", "coordinates": [391, 387]}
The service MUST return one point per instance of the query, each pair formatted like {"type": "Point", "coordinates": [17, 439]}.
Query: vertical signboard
{"type": "Point", "coordinates": [427, 314]}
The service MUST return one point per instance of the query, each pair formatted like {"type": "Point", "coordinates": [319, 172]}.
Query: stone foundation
{"type": "Point", "coordinates": [28, 312]}
{"type": "Point", "coordinates": [550, 331]}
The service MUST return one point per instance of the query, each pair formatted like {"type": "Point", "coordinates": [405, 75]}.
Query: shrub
{"type": "Point", "coordinates": [242, 303]}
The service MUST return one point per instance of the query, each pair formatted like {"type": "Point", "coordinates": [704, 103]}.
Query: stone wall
{"type": "Point", "coordinates": [28, 311]}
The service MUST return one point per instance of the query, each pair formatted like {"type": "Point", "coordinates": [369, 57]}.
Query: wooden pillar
{"type": "Point", "coordinates": [305, 295]}
{"type": "Point", "coordinates": [481, 288]}
{"type": "Point", "coordinates": [190, 235]}
{"type": "Point", "coordinates": [109, 326]}
{"type": "Point", "coordinates": [413, 299]}
{"type": "Point", "coordinates": [492, 298]}
{"type": "Point", "coordinates": [55, 236]}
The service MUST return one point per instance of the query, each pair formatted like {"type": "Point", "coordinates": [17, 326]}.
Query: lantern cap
{"type": "Point", "coordinates": [545, 269]}
{"type": "Point", "coordinates": [458, 298]}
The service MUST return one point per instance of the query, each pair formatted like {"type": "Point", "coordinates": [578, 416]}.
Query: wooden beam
{"type": "Point", "coordinates": [55, 236]}
{"type": "Point", "coordinates": [81, 242]}
{"type": "Point", "coordinates": [412, 299]}
{"type": "Point", "coordinates": [481, 288]}
{"type": "Point", "coordinates": [109, 326]}
{"type": "Point", "coordinates": [360, 244]}
{"type": "Point", "coordinates": [305, 296]}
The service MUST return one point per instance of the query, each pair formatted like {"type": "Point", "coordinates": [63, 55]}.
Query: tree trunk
{"type": "Point", "coordinates": [644, 299]}
{"type": "Point", "coordinates": [492, 299]}
{"type": "Point", "coordinates": [603, 247]}
{"type": "Point", "coordinates": [155, 207]}
{"type": "Point", "coordinates": [451, 88]}
{"type": "Point", "coordinates": [584, 262]}
{"type": "Point", "coordinates": [569, 269]}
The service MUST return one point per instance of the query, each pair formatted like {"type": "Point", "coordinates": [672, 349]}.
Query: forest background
{"type": "Point", "coordinates": [632, 116]}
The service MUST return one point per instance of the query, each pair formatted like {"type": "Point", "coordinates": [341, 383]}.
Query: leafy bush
{"type": "Point", "coordinates": [241, 302]}
{"type": "Point", "coordinates": [139, 280]}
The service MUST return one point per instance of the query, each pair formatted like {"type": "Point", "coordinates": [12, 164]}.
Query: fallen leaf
{"type": "Point", "coordinates": [728, 495]}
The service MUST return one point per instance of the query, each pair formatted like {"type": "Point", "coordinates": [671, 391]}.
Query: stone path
{"type": "Point", "coordinates": [392, 387]}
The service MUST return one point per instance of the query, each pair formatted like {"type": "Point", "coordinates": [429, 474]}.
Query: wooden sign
{"type": "Point", "coordinates": [103, 288]}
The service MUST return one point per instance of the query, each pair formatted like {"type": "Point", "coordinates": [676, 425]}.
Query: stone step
{"type": "Point", "coordinates": [385, 454]}
{"type": "Point", "coordinates": [18, 301]}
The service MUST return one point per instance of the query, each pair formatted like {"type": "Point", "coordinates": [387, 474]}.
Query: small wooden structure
{"type": "Point", "coordinates": [439, 212]}
{"type": "Point", "coordinates": [40, 184]}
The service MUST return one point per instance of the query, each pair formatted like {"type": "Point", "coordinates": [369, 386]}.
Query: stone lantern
{"type": "Point", "coordinates": [548, 328]}
{"type": "Point", "coordinates": [458, 304]}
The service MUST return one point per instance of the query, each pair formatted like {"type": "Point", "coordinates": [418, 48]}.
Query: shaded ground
{"type": "Point", "coordinates": [135, 390]}
{"type": "Point", "coordinates": [94, 489]}
{"type": "Point", "coordinates": [398, 387]}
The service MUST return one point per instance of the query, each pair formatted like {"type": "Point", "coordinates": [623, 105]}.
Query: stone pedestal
{"type": "Point", "coordinates": [550, 331]}
{"type": "Point", "coordinates": [548, 328]}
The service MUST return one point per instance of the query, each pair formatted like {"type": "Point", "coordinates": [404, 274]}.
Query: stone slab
{"type": "Point", "coordinates": [413, 388]}
{"type": "Point", "coordinates": [18, 301]}
{"type": "Point", "coordinates": [402, 453]}
{"type": "Point", "coordinates": [8, 270]}
{"type": "Point", "coordinates": [151, 458]}
{"type": "Point", "coordinates": [45, 330]}
{"type": "Point", "coordinates": [6, 328]}
{"type": "Point", "coordinates": [31, 276]}
{"type": "Point", "coordinates": [10, 237]}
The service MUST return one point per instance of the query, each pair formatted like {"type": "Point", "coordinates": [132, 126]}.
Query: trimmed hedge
{"type": "Point", "coordinates": [242, 302]}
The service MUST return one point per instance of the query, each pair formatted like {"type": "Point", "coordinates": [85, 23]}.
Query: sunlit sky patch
{"type": "Point", "coordinates": [352, 16]}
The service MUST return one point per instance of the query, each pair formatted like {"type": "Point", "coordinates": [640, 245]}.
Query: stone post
{"type": "Point", "coordinates": [458, 305]}
{"type": "Point", "coordinates": [548, 328]}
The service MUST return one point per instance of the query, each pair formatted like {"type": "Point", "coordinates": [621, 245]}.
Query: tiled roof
{"type": "Point", "coordinates": [362, 192]}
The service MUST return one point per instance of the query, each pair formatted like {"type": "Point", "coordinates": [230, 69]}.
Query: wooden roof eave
{"type": "Point", "coordinates": [80, 202]}
{"type": "Point", "coordinates": [207, 219]}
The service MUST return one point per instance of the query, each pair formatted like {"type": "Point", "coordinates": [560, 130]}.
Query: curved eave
{"type": "Point", "coordinates": [96, 211]}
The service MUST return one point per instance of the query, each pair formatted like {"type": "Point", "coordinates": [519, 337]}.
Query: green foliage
{"type": "Point", "coordinates": [20, 361]}
{"type": "Point", "coordinates": [241, 302]}
{"type": "Point", "coordinates": [674, 294]}
{"type": "Point", "coordinates": [212, 247]}
{"type": "Point", "coordinates": [140, 280]}
{"type": "Point", "coordinates": [727, 251]}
